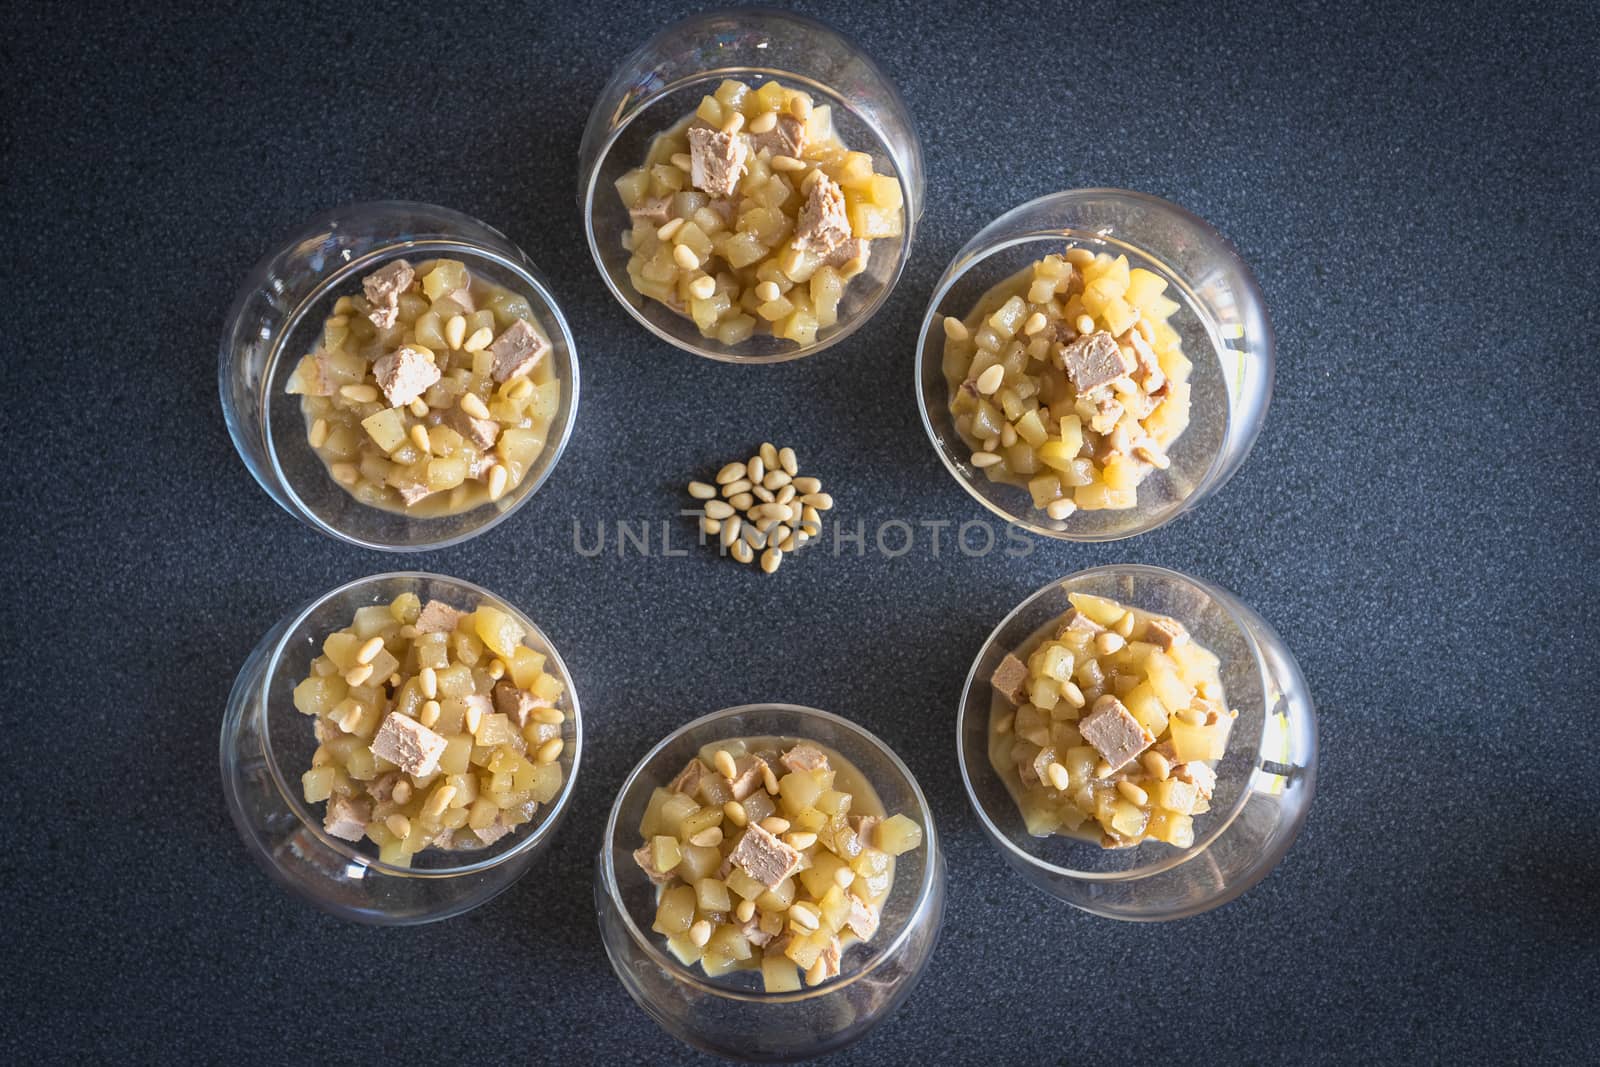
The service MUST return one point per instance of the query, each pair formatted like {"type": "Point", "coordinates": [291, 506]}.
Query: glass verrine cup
{"type": "Point", "coordinates": [1265, 781]}
{"type": "Point", "coordinates": [1221, 320]}
{"type": "Point", "coordinates": [732, 1015]}
{"type": "Point", "coordinates": [662, 83]}
{"type": "Point", "coordinates": [267, 744]}
{"type": "Point", "coordinates": [277, 318]}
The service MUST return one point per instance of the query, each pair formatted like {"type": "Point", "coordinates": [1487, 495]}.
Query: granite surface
{"type": "Point", "coordinates": [1414, 186]}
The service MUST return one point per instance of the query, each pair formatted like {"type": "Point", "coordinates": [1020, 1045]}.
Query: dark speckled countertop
{"type": "Point", "coordinates": [1413, 184]}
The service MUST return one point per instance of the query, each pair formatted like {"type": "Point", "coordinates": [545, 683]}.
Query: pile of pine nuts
{"type": "Point", "coordinates": [763, 505]}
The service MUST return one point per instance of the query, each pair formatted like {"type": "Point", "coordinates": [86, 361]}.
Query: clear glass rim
{"type": "Point", "coordinates": [978, 249]}
{"type": "Point", "coordinates": [681, 973]}
{"type": "Point", "coordinates": [624, 120]}
{"type": "Point", "coordinates": [1178, 857]}
{"type": "Point", "coordinates": [536, 831]}
{"type": "Point", "coordinates": [556, 444]}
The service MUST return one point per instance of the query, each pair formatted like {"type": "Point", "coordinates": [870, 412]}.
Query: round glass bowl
{"type": "Point", "coordinates": [663, 82]}
{"type": "Point", "coordinates": [1264, 783]}
{"type": "Point", "coordinates": [277, 318]}
{"type": "Point", "coordinates": [1221, 319]}
{"type": "Point", "coordinates": [267, 744]}
{"type": "Point", "coordinates": [732, 1015]}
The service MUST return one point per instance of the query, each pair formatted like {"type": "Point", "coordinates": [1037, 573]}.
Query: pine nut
{"type": "Point", "coordinates": [358, 674]}
{"type": "Point", "coordinates": [438, 800]}
{"type": "Point", "coordinates": [768, 291]}
{"type": "Point", "coordinates": [550, 751]}
{"type": "Point", "coordinates": [1084, 324]}
{"type": "Point", "coordinates": [345, 473]}
{"type": "Point", "coordinates": [1079, 257]}
{"type": "Point", "coordinates": [786, 163]}
{"type": "Point", "coordinates": [723, 761]}
{"type": "Point", "coordinates": [1124, 625]}
{"type": "Point", "coordinates": [700, 933]}
{"type": "Point", "coordinates": [775, 480]}
{"type": "Point", "coordinates": [1191, 716]}
{"type": "Point", "coordinates": [801, 840]}
{"type": "Point", "coordinates": [763, 494]}
{"type": "Point", "coordinates": [730, 531]}
{"type": "Point", "coordinates": [770, 560]}
{"type": "Point", "coordinates": [742, 501]}
{"type": "Point", "coordinates": [455, 331]}
{"type": "Point", "coordinates": [368, 651]}
{"type": "Point", "coordinates": [769, 779]}
{"type": "Point", "coordinates": [768, 454]}
{"type": "Point", "coordinates": [1059, 779]}
{"type": "Point", "coordinates": [733, 489]}
{"type": "Point", "coordinates": [1156, 765]}
{"type": "Point", "coordinates": [775, 825]}
{"type": "Point", "coordinates": [549, 716]}
{"type": "Point", "coordinates": [319, 433]}
{"type": "Point", "coordinates": [360, 394]}
{"type": "Point", "coordinates": [1108, 643]}
{"type": "Point", "coordinates": [684, 257]}
{"type": "Point", "coordinates": [702, 491]}
{"type": "Point", "coordinates": [418, 407]}
{"type": "Point", "coordinates": [787, 541]}
{"type": "Point", "coordinates": [402, 792]}
{"type": "Point", "coordinates": [497, 669]}
{"type": "Point", "coordinates": [480, 339]}
{"type": "Point", "coordinates": [1008, 436]}
{"type": "Point", "coordinates": [1073, 694]}
{"type": "Point", "coordinates": [429, 713]}
{"type": "Point", "coordinates": [350, 720]}
{"type": "Point", "coordinates": [1060, 509]}
{"type": "Point", "coordinates": [521, 391]}
{"type": "Point", "coordinates": [703, 287]}
{"type": "Point", "coordinates": [800, 106]}
{"type": "Point", "coordinates": [984, 459]}
{"type": "Point", "coordinates": [764, 123]}
{"type": "Point", "coordinates": [808, 485]}
{"type": "Point", "coordinates": [1035, 323]}
{"type": "Point", "coordinates": [734, 812]}
{"type": "Point", "coordinates": [473, 405]}
{"type": "Point", "coordinates": [710, 527]}
{"type": "Point", "coordinates": [1102, 769]}
{"type": "Point", "coordinates": [955, 329]}
{"type": "Point", "coordinates": [428, 678]}
{"type": "Point", "coordinates": [991, 443]}
{"type": "Point", "coordinates": [789, 462]}
{"type": "Point", "coordinates": [820, 501]}
{"type": "Point", "coordinates": [804, 915]}
{"type": "Point", "coordinates": [669, 229]}
{"type": "Point", "coordinates": [817, 973]}
{"type": "Point", "coordinates": [731, 474]}
{"type": "Point", "coordinates": [1133, 793]}
{"type": "Point", "coordinates": [473, 718]}
{"type": "Point", "coordinates": [710, 837]}
{"type": "Point", "coordinates": [733, 124]}
{"type": "Point", "coordinates": [990, 380]}
{"type": "Point", "coordinates": [398, 825]}
{"type": "Point", "coordinates": [785, 495]}
{"type": "Point", "coordinates": [745, 910]}
{"type": "Point", "coordinates": [419, 437]}
{"type": "Point", "coordinates": [780, 534]}
{"type": "Point", "coordinates": [683, 161]}
{"type": "Point", "coordinates": [718, 509]}
{"type": "Point", "coordinates": [755, 469]}
{"type": "Point", "coordinates": [753, 535]}
{"type": "Point", "coordinates": [742, 551]}
{"type": "Point", "coordinates": [498, 478]}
